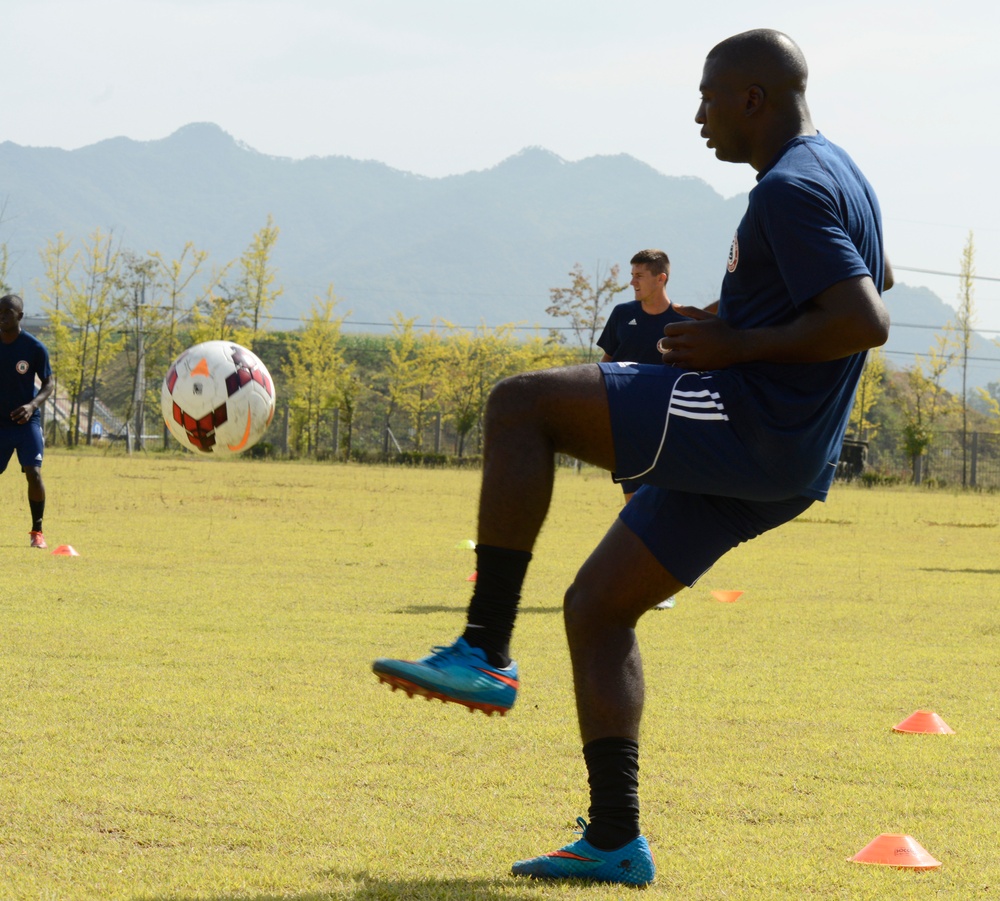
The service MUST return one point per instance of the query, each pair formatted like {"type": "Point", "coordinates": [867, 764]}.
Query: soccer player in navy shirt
{"type": "Point", "coordinates": [740, 434]}
{"type": "Point", "coordinates": [22, 358]}
{"type": "Point", "coordinates": [635, 327]}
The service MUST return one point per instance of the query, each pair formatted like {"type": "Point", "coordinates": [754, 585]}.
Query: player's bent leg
{"type": "Point", "coordinates": [530, 418]}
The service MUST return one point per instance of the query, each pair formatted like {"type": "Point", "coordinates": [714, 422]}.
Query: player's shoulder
{"type": "Point", "coordinates": [625, 308]}
{"type": "Point", "coordinates": [29, 339]}
{"type": "Point", "coordinates": [809, 169]}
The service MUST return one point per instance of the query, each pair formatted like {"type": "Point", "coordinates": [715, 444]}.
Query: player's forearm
{"type": "Point", "coordinates": [812, 338]}
{"type": "Point", "coordinates": [846, 319]}
{"type": "Point", "coordinates": [44, 393]}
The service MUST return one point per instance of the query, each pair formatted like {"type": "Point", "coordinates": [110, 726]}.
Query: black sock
{"type": "Point", "coordinates": [613, 773]}
{"type": "Point", "coordinates": [37, 511]}
{"type": "Point", "coordinates": [493, 608]}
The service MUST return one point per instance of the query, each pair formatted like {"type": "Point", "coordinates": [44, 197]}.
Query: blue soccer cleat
{"type": "Point", "coordinates": [632, 864]}
{"type": "Point", "coordinates": [459, 673]}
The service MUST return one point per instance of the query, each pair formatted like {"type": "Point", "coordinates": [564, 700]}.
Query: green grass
{"type": "Point", "coordinates": [187, 709]}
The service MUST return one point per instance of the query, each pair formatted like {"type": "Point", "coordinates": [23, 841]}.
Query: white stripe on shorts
{"type": "Point", "coordinates": [696, 404]}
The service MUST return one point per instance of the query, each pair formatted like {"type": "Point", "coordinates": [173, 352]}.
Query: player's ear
{"type": "Point", "coordinates": [755, 99]}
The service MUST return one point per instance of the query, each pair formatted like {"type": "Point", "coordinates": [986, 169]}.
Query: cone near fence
{"type": "Point", "coordinates": [925, 722]}
{"type": "Point", "coordinates": [893, 849]}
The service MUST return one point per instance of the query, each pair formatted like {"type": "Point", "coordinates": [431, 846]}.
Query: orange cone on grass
{"type": "Point", "coordinates": [926, 722]}
{"type": "Point", "coordinates": [66, 550]}
{"type": "Point", "coordinates": [893, 849]}
{"type": "Point", "coordinates": [727, 597]}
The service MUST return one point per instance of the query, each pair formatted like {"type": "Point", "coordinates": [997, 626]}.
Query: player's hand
{"type": "Point", "coordinates": [704, 342]}
{"type": "Point", "coordinates": [22, 414]}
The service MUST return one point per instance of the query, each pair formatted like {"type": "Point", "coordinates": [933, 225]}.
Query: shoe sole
{"type": "Point", "coordinates": [583, 880]}
{"type": "Point", "coordinates": [411, 689]}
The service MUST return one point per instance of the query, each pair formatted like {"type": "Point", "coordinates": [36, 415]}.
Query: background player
{"type": "Point", "coordinates": [23, 358]}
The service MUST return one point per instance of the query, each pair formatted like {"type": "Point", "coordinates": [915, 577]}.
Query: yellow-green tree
{"type": "Point", "coordinates": [871, 386]}
{"type": "Point", "coordinates": [473, 362]}
{"type": "Point", "coordinates": [414, 365]}
{"type": "Point", "coordinates": [177, 276]}
{"type": "Point", "coordinates": [317, 371]}
{"type": "Point", "coordinates": [53, 290]}
{"type": "Point", "coordinates": [964, 326]}
{"type": "Point", "coordinates": [145, 322]}
{"type": "Point", "coordinates": [85, 328]}
{"type": "Point", "coordinates": [990, 396]}
{"type": "Point", "coordinates": [350, 389]}
{"type": "Point", "coordinates": [255, 290]}
{"type": "Point", "coordinates": [218, 316]}
{"type": "Point", "coordinates": [5, 287]}
{"type": "Point", "coordinates": [923, 400]}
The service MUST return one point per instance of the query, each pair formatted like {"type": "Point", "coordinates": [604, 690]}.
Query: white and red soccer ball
{"type": "Point", "coordinates": [217, 398]}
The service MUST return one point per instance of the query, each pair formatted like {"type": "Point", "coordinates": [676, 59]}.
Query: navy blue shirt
{"type": "Point", "coordinates": [20, 361]}
{"type": "Point", "coordinates": [812, 221]}
{"type": "Point", "coordinates": [631, 333]}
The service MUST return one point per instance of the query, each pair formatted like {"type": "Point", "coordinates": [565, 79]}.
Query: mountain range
{"type": "Point", "coordinates": [483, 247]}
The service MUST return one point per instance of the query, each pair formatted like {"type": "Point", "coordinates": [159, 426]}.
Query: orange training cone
{"type": "Point", "coordinates": [727, 597]}
{"type": "Point", "coordinates": [926, 722]}
{"type": "Point", "coordinates": [66, 550]}
{"type": "Point", "coordinates": [473, 577]}
{"type": "Point", "coordinates": [891, 849]}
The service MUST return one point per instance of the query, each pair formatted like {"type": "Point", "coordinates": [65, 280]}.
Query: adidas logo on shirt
{"type": "Point", "coordinates": [633, 322]}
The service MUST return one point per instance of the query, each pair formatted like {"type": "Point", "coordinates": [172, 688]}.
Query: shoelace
{"type": "Point", "coordinates": [444, 651]}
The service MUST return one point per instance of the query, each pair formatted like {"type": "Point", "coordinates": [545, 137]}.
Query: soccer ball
{"type": "Point", "coordinates": [217, 398]}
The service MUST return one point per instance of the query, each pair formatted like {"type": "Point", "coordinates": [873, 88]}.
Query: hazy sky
{"type": "Point", "coordinates": [439, 87]}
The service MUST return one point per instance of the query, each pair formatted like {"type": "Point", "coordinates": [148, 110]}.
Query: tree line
{"type": "Point", "coordinates": [117, 319]}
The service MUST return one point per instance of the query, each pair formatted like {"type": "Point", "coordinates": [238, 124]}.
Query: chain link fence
{"type": "Point", "coordinates": [953, 459]}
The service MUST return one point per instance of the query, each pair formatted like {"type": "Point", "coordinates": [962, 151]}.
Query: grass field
{"type": "Point", "coordinates": [187, 709]}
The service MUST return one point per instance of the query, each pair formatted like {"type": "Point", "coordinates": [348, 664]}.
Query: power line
{"type": "Point", "coordinates": [981, 278]}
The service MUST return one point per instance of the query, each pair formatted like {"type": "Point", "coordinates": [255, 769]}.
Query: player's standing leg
{"type": "Point", "coordinates": [36, 504]}
{"type": "Point", "coordinates": [620, 581]}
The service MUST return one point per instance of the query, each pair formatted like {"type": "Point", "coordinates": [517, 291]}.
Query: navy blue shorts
{"type": "Point", "coordinates": [27, 440]}
{"type": "Point", "coordinates": [701, 492]}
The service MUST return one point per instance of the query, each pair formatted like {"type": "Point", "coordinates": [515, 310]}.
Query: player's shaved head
{"type": "Point", "coordinates": [13, 301]}
{"type": "Point", "coordinates": [767, 58]}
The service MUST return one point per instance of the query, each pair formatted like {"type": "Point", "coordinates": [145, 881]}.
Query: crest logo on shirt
{"type": "Point", "coordinates": [21, 366]}
{"type": "Point", "coordinates": [734, 253]}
